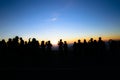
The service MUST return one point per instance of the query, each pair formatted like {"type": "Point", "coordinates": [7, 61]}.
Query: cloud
{"type": "Point", "coordinates": [53, 19]}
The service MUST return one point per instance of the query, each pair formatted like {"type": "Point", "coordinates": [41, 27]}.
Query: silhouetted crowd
{"type": "Point", "coordinates": [90, 48]}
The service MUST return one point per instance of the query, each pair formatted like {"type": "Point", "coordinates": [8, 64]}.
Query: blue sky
{"type": "Point", "coordinates": [56, 19]}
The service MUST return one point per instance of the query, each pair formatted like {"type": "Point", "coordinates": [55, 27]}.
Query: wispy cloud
{"type": "Point", "coordinates": [53, 19]}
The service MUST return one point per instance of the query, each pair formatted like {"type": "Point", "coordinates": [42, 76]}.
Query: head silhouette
{"type": "Point", "coordinates": [65, 42]}
{"type": "Point", "coordinates": [60, 40]}
{"type": "Point", "coordinates": [84, 40]}
{"type": "Point", "coordinates": [79, 41]}
{"type": "Point", "coordinates": [100, 38]}
{"type": "Point", "coordinates": [91, 39]}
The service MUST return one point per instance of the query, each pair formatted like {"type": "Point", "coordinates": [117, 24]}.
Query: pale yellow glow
{"type": "Point", "coordinates": [54, 42]}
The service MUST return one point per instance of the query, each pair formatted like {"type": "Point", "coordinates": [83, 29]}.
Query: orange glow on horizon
{"type": "Point", "coordinates": [54, 41]}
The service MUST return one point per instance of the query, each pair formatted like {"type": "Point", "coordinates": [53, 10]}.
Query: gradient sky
{"type": "Point", "coordinates": [56, 19]}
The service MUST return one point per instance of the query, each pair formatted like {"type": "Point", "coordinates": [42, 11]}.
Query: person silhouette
{"type": "Point", "coordinates": [9, 43]}
{"type": "Point", "coordinates": [3, 44]}
{"type": "Point", "coordinates": [43, 46]}
{"type": "Point", "coordinates": [60, 44]}
{"type": "Point", "coordinates": [90, 47]}
{"type": "Point", "coordinates": [35, 43]}
{"type": "Point", "coordinates": [21, 43]}
{"type": "Point", "coordinates": [75, 48]}
{"type": "Point", "coordinates": [65, 47]}
{"type": "Point", "coordinates": [101, 46]}
{"type": "Point", "coordinates": [79, 47]}
{"type": "Point", "coordinates": [29, 44]}
{"type": "Point", "coordinates": [49, 46]}
{"type": "Point", "coordinates": [26, 45]}
{"type": "Point", "coordinates": [15, 42]}
{"type": "Point", "coordinates": [85, 47]}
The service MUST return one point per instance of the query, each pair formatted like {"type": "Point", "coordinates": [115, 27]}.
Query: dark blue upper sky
{"type": "Point", "coordinates": [55, 19]}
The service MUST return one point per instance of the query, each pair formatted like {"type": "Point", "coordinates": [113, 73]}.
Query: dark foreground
{"type": "Point", "coordinates": [52, 61]}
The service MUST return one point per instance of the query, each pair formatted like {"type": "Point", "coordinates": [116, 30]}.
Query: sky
{"type": "Point", "coordinates": [69, 20]}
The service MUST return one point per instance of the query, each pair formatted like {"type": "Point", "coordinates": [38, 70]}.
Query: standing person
{"type": "Point", "coordinates": [79, 47]}
{"type": "Point", "coordinates": [85, 47]}
{"type": "Point", "coordinates": [90, 47]}
{"type": "Point", "coordinates": [9, 43]}
{"type": "Point", "coordinates": [75, 48]}
{"type": "Point", "coordinates": [60, 44]}
{"type": "Point", "coordinates": [101, 47]}
{"type": "Point", "coordinates": [43, 46]}
{"type": "Point", "coordinates": [15, 42]}
{"type": "Point", "coordinates": [49, 46]}
{"type": "Point", "coordinates": [65, 47]}
{"type": "Point", "coordinates": [21, 43]}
